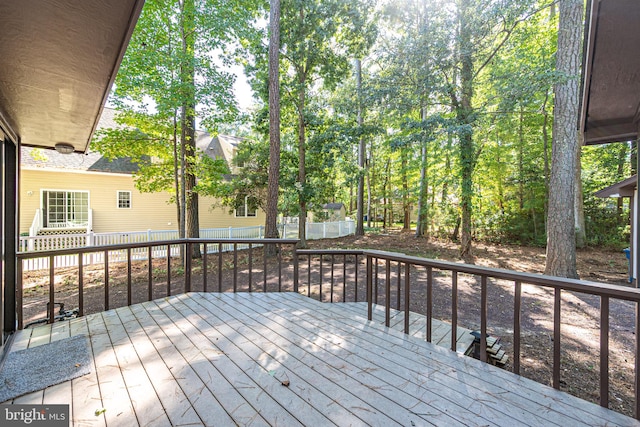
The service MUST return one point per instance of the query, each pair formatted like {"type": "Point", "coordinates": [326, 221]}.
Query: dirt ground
{"type": "Point", "coordinates": [580, 313]}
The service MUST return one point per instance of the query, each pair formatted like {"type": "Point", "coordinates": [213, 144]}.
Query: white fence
{"type": "Point", "coordinates": [66, 241]}
{"type": "Point", "coordinates": [319, 230]}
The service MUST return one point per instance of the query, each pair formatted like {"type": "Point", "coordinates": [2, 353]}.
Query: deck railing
{"type": "Point", "coordinates": [214, 265]}
{"type": "Point", "coordinates": [366, 275]}
{"type": "Point", "coordinates": [381, 286]}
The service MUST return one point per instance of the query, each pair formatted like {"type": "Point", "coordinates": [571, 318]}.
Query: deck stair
{"type": "Point", "coordinates": [495, 353]}
{"type": "Point", "coordinates": [441, 331]}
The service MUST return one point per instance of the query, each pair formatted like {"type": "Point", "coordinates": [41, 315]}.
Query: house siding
{"type": "Point", "coordinates": [149, 211]}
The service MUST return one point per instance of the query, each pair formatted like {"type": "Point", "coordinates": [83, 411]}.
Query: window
{"type": "Point", "coordinates": [238, 162]}
{"type": "Point", "coordinates": [124, 199]}
{"type": "Point", "coordinates": [245, 210]}
{"type": "Point", "coordinates": [65, 208]}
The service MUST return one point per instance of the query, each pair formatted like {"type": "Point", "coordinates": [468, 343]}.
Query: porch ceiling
{"type": "Point", "coordinates": [611, 94]}
{"type": "Point", "coordinates": [58, 60]}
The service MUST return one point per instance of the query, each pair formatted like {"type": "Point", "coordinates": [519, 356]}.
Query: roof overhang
{"type": "Point", "coordinates": [620, 189]}
{"type": "Point", "coordinates": [58, 61]}
{"type": "Point", "coordinates": [611, 75]}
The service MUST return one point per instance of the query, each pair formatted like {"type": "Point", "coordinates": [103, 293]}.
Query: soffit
{"type": "Point", "coordinates": [58, 60]}
{"type": "Point", "coordinates": [611, 87]}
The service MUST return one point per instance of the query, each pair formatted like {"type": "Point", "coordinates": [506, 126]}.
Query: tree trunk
{"type": "Point", "coordinates": [271, 226]}
{"type": "Point", "coordinates": [561, 236]}
{"type": "Point", "coordinates": [447, 169]}
{"type": "Point", "coordinates": [464, 115]}
{"type": "Point", "coordinates": [302, 175]}
{"type": "Point", "coordinates": [521, 159]}
{"type": "Point", "coordinates": [421, 224]}
{"type": "Point", "coordinates": [406, 208]}
{"type": "Point", "coordinates": [361, 154]}
{"type": "Point", "coordinates": [176, 176]}
{"type": "Point", "coordinates": [187, 77]}
{"type": "Point", "coordinates": [386, 189]}
{"type": "Point", "coordinates": [581, 232]}
{"type": "Point", "coordinates": [545, 154]}
{"type": "Point", "coordinates": [369, 195]}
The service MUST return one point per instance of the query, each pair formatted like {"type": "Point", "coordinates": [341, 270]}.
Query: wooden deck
{"type": "Point", "coordinates": [282, 359]}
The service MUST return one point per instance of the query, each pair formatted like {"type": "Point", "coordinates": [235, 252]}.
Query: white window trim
{"type": "Point", "coordinates": [246, 210]}
{"type": "Point", "coordinates": [118, 199]}
{"type": "Point", "coordinates": [58, 190]}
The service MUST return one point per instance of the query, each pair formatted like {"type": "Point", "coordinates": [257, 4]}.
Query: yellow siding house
{"type": "Point", "coordinates": [62, 193]}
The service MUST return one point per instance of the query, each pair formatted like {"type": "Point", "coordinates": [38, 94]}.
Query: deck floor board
{"type": "Point", "coordinates": [221, 360]}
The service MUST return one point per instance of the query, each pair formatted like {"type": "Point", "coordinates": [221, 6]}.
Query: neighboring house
{"type": "Point", "coordinates": [335, 211]}
{"type": "Point", "coordinates": [62, 193]}
{"type": "Point", "coordinates": [330, 212]}
{"type": "Point", "coordinates": [627, 188]}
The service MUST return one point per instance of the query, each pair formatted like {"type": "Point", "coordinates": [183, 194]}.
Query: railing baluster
{"type": "Point", "coordinates": [219, 267]}
{"type": "Point", "coordinates": [375, 285]}
{"type": "Point", "coordinates": [454, 311]}
{"type": "Point", "coordinates": [250, 266]}
{"type": "Point", "coordinates": [344, 278]}
{"type": "Point", "coordinates": [150, 267]}
{"type": "Point", "coordinates": [517, 318]}
{"type": "Point", "coordinates": [407, 294]}
{"type": "Point", "coordinates": [369, 288]}
{"type": "Point", "coordinates": [106, 280]}
{"type": "Point", "coordinates": [309, 276]}
{"type": "Point", "coordinates": [169, 270]}
{"type": "Point", "coordinates": [296, 271]}
{"type": "Point", "coordinates": [204, 268]}
{"type": "Point", "coordinates": [235, 267]}
{"type": "Point", "coordinates": [129, 276]}
{"type": "Point", "coordinates": [429, 304]}
{"type": "Point", "coordinates": [604, 351]}
{"type": "Point", "coordinates": [356, 265]}
{"type": "Point", "coordinates": [387, 294]}
{"type": "Point", "coordinates": [320, 291]}
{"type": "Point", "coordinates": [52, 277]}
{"type": "Point", "coordinates": [80, 283]}
{"type": "Point", "coordinates": [483, 318]}
{"type": "Point", "coordinates": [279, 267]}
{"type": "Point", "coordinates": [399, 285]}
{"type": "Point", "coordinates": [264, 268]}
{"type": "Point", "coordinates": [333, 259]}
{"type": "Point", "coordinates": [187, 267]}
{"type": "Point", "coordinates": [556, 337]}
{"type": "Point", "coordinates": [19, 294]}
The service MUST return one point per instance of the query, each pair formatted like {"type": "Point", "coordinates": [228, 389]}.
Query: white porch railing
{"type": "Point", "coordinates": [65, 241]}
{"type": "Point", "coordinates": [38, 223]}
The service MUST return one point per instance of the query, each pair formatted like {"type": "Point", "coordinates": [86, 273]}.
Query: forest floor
{"type": "Point", "coordinates": [580, 313]}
